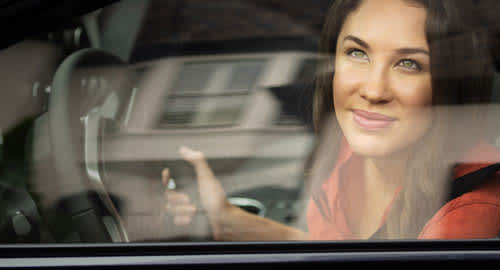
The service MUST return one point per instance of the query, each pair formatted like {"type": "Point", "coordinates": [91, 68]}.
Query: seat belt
{"type": "Point", "coordinates": [468, 182]}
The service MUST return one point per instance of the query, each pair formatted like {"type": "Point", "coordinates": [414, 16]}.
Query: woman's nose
{"type": "Point", "coordinates": [375, 87]}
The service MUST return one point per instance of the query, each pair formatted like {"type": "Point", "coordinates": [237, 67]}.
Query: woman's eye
{"type": "Point", "coordinates": [357, 54]}
{"type": "Point", "coordinates": [409, 64]}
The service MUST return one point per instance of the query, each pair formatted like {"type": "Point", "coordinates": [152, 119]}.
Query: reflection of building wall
{"type": "Point", "coordinates": [162, 120]}
{"type": "Point", "coordinates": [207, 102]}
{"type": "Point", "coordinates": [213, 91]}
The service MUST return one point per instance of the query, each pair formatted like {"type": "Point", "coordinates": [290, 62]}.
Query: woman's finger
{"type": "Point", "coordinates": [174, 197]}
{"type": "Point", "coordinates": [212, 195]}
{"type": "Point", "coordinates": [204, 173]}
{"type": "Point", "coordinates": [181, 210]}
{"type": "Point", "coordinates": [165, 176]}
{"type": "Point", "coordinates": [182, 220]}
{"type": "Point", "coordinates": [191, 155]}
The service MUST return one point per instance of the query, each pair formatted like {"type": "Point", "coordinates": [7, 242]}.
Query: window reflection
{"type": "Point", "coordinates": [211, 93]}
{"type": "Point", "coordinates": [281, 126]}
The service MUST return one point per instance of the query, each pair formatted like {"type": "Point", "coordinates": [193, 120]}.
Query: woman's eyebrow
{"type": "Point", "coordinates": [412, 51]}
{"type": "Point", "coordinates": [365, 45]}
{"type": "Point", "coordinates": [357, 40]}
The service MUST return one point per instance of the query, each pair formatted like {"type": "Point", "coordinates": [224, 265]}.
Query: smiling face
{"type": "Point", "coordinates": [382, 83]}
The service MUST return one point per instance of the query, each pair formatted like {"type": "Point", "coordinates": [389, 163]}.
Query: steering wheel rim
{"type": "Point", "coordinates": [66, 123]}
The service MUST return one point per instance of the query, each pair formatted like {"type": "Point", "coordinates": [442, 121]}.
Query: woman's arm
{"type": "Point", "coordinates": [238, 225]}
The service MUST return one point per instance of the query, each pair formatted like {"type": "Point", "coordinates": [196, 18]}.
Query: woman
{"type": "Point", "coordinates": [388, 114]}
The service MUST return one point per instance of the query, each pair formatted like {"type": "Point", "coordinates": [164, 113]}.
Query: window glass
{"type": "Point", "coordinates": [253, 120]}
{"type": "Point", "coordinates": [203, 110]}
{"type": "Point", "coordinates": [194, 77]}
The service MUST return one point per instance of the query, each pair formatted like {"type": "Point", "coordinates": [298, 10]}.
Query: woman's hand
{"type": "Point", "coordinates": [228, 222]}
{"type": "Point", "coordinates": [212, 196]}
{"type": "Point", "coordinates": [178, 204]}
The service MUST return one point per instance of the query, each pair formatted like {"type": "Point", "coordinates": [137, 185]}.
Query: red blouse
{"type": "Point", "coordinates": [475, 214]}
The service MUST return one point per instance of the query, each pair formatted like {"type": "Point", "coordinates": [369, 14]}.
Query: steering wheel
{"type": "Point", "coordinates": [88, 94]}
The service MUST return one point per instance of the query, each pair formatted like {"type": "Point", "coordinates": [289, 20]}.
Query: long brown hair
{"type": "Point", "coordinates": [461, 71]}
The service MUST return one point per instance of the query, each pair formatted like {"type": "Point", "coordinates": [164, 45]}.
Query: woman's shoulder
{"type": "Point", "coordinates": [476, 158]}
{"type": "Point", "coordinates": [475, 214]}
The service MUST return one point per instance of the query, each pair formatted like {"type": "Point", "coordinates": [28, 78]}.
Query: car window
{"type": "Point", "coordinates": [253, 120]}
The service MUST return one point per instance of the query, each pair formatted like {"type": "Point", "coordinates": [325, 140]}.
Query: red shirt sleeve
{"type": "Point", "coordinates": [469, 221]}
{"type": "Point", "coordinates": [476, 214]}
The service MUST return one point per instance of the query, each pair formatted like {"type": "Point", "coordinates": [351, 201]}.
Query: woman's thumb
{"type": "Point", "coordinates": [211, 192]}
{"type": "Point", "coordinates": [199, 163]}
{"type": "Point", "coordinates": [192, 156]}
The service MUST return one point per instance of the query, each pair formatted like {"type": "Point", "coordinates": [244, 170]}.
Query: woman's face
{"type": "Point", "coordinates": [382, 84]}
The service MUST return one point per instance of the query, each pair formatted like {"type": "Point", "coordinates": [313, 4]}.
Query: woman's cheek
{"type": "Point", "coordinates": [416, 104]}
{"type": "Point", "coordinates": [414, 92]}
{"type": "Point", "coordinates": [345, 82]}
{"type": "Point", "coordinates": [415, 97]}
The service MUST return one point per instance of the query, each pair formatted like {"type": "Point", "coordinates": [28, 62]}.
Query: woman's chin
{"type": "Point", "coordinates": [373, 146]}
{"type": "Point", "coordinates": [393, 140]}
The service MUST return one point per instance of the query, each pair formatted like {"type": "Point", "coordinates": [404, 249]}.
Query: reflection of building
{"type": "Point", "coordinates": [220, 104]}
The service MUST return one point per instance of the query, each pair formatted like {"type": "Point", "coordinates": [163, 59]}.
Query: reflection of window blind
{"type": "Point", "coordinates": [210, 93]}
{"type": "Point", "coordinates": [194, 78]}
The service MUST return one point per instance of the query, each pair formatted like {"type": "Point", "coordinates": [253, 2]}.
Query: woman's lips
{"type": "Point", "coordinates": [371, 120]}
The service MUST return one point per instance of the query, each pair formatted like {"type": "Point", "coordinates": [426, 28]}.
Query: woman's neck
{"type": "Point", "coordinates": [385, 174]}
